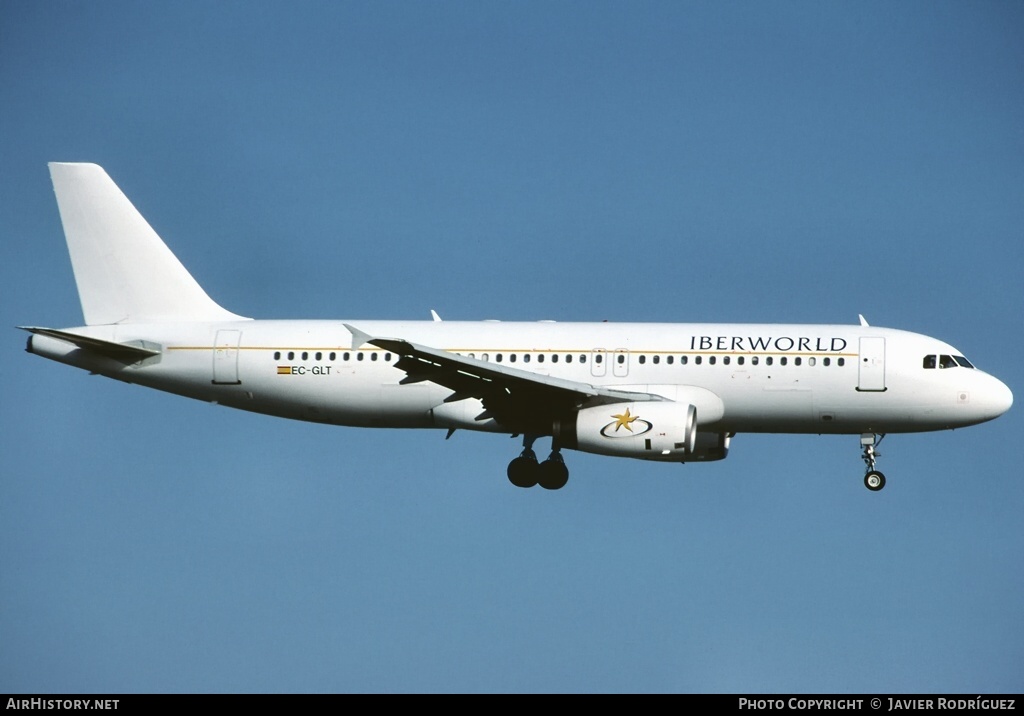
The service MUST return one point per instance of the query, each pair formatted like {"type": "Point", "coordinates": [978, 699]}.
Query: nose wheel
{"type": "Point", "coordinates": [873, 479]}
{"type": "Point", "coordinates": [525, 471]}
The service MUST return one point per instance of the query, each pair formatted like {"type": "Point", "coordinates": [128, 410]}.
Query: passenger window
{"type": "Point", "coordinates": [768, 360]}
{"type": "Point", "coordinates": [643, 359]}
{"type": "Point", "coordinates": [812, 361]}
{"type": "Point", "coordinates": [712, 360]}
{"type": "Point", "coordinates": [484, 357]}
{"type": "Point", "coordinates": [656, 359]}
{"type": "Point", "coordinates": [305, 355]}
{"type": "Point", "coordinates": [319, 355]}
{"type": "Point", "coordinates": [526, 358]}
{"type": "Point", "coordinates": [277, 355]}
{"type": "Point", "coordinates": [359, 355]}
{"type": "Point", "coordinates": [740, 360]}
{"type": "Point", "coordinates": [797, 361]}
{"type": "Point", "coordinates": [826, 362]}
{"type": "Point", "coordinates": [373, 356]}
{"type": "Point", "coordinates": [597, 358]}
{"type": "Point", "coordinates": [583, 359]}
{"type": "Point", "coordinates": [511, 357]}
{"type": "Point", "coordinates": [387, 357]}
{"type": "Point", "coordinates": [683, 360]}
{"type": "Point", "coordinates": [754, 360]}
{"type": "Point", "coordinates": [568, 358]}
{"type": "Point", "coordinates": [540, 358]}
{"type": "Point", "coordinates": [497, 357]}
{"type": "Point", "coordinates": [783, 360]}
{"type": "Point", "coordinates": [291, 355]}
{"type": "Point", "coordinates": [725, 360]}
{"type": "Point", "coordinates": [333, 356]}
{"type": "Point", "coordinates": [346, 356]}
{"type": "Point", "coordinates": [554, 357]}
{"type": "Point", "coordinates": [841, 362]}
{"type": "Point", "coordinates": [621, 359]}
{"type": "Point", "coordinates": [697, 360]}
{"type": "Point", "coordinates": [669, 360]}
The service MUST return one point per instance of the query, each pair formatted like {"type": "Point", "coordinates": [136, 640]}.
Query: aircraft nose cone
{"type": "Point", "coordinates": [1002, 398]}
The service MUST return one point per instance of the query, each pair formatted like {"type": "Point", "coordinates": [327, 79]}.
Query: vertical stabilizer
{"type": "Point", "coordinates": [124, 271]}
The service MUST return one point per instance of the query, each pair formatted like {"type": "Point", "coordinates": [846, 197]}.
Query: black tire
{"type": "Point", "coordinates": [874, 481]}
{"type": "Point", "coordinates": [553, 474]}
{"type": "Point", "coordinates": [523, 471]}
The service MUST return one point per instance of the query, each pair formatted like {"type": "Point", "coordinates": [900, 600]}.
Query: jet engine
{"type": "Point", "coordinates": [649, 431]}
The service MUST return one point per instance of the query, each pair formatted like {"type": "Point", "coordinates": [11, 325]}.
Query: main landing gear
{"type": "Point", "coordinates": [525, 471]}
{"type": "Point", "coordinates": [873, 479]}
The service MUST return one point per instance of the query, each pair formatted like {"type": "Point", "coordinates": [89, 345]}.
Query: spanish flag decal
{"type": "Point", "coordinates": [284, 370]}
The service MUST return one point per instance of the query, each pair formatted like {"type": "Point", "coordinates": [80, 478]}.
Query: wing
{"type": "Point", "coordinates": [521, 401]}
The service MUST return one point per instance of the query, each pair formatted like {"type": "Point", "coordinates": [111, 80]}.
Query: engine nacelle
{"type": "Point", "coordinates": [649, 431]}
{"type": "Point", "coordinates": [709, 447]}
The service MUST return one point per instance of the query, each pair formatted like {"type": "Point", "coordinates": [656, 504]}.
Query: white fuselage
{"type": "Point", "coordinates": [769, 378]}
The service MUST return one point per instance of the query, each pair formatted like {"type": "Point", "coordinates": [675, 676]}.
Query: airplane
{"type": "Point", "coordinates": [651, 391]}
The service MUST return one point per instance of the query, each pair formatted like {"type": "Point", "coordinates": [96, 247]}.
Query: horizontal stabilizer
{"type": "Point", "coordinates": [125, 352]}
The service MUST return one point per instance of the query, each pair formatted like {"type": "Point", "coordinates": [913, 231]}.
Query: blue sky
{"type": "Point", "coordinates": [775, 162]}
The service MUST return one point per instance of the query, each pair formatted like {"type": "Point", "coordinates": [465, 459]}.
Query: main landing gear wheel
{"type": "Point", "coordinates": [553, 474]}
{"type": "Point", "coordinates": [874, 480]}
{"type": "Point", "coordinates": [524, 470]}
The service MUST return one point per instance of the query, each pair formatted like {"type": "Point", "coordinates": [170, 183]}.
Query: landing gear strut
{"type": "Point", "coordinates": [525, 471]}
{"type": "Point", "coordinates": [873, 479]}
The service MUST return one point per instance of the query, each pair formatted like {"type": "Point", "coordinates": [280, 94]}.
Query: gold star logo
{"type": "Point", "coordinates": [624, 420]}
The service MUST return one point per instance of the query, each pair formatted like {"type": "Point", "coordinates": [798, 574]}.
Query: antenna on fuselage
{"type": "Point", "coordinates": [863, 321]}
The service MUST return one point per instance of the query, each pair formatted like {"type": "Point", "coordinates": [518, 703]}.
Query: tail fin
{"type": "Point", "coordinates": [124, 271]}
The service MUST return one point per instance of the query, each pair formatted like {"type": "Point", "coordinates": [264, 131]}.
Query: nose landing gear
{"type": "Point", "coordinates": [873, 479]}
{"type": "Point", "coordinates": [525, 471]}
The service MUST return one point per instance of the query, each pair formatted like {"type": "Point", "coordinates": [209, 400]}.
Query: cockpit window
{"type": "Point", "coordinates": [947, 362]}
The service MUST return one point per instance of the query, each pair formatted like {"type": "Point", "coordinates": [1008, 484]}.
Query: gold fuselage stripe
{"type": "Point", "coordinates": [603, 351]}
